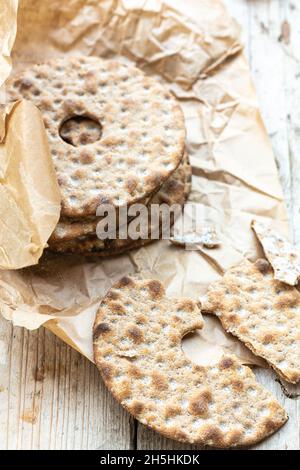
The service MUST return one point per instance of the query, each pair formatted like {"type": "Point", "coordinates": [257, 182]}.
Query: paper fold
{"type": "Point", "coordinates": [8, 29]}
{"type": "Point", "coordinates": [29, 193]}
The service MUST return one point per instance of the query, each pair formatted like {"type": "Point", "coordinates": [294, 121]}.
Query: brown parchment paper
{"type": "Point", "coordinates": [194, 48]}
{"type": "Point", "coordinates": [8, 29]}
{"type": "Point", "coordinates": [29, 193]}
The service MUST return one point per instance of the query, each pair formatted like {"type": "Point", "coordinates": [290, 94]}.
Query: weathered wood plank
{"type": "Point", "coordinates": [54, 398]}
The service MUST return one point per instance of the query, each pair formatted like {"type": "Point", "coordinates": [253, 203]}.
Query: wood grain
{"type": "Point", "coordinates": [53, 398]}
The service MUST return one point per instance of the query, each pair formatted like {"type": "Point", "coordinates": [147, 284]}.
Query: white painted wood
{"type": "Point", "coordinates": [53, 398]}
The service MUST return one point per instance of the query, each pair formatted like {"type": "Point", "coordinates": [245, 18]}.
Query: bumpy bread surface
{"type": "Point", "coordinates": [281, 254]}
{"type": "Point", "coordinates": [174, 191]}
{"type": "Point", "coordinates": [261, 312]}
{"type": "Point", "coordinates": [137, 348]}
{"type": "Point", "coordinates": [143, 132]}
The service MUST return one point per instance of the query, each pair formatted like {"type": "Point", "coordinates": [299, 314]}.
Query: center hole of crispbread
{"type": "Point", "coordinates": [80, 130]}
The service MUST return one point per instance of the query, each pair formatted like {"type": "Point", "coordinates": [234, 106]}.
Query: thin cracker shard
{"type": "Point", "coordinates": [207, 237]}
{"type": "Point", "coordinates": [262, 312]}
{"type": "Point", "coordinates": [220, 405]}
{"type": "Point", "coordinates": [281, 254]}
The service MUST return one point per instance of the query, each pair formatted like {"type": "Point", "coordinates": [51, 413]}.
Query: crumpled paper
{"type": "Point", "coordinates": [194, 48]}
{"type": "Point", "coordinates": [29, 193]}
{"type": "Point", "coordinates": [8, 29]}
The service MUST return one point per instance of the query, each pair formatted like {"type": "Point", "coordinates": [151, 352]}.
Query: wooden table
{"type": "Point", "coordinates": [53, 398]}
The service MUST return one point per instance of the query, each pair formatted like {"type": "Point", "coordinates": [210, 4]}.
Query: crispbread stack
{"type": "Point", "coordinates": [116, 136]}
{"type": "Point", "coordinates": [174, 191]}
{"type": "Point", "coordinates": [137, 348]}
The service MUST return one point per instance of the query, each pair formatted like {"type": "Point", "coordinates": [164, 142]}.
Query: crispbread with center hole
{"type": "Point", "coordinates": [261, 312]}
{"type": "Point", "coordinates": [281, 254]}
{"type": "Point", "coordinates": [174, 191]}
{"type": "Point", "coordinates": [137, 348]}
{"type": "Point", "coordinates": [142, 129]}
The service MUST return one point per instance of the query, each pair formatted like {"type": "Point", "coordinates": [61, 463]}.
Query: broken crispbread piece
{"type": "Point", "coordinates": [261, 312]}
{"type": "Point", "coordinates": [280, 252]}
{"type": "Point", "coordinates": [207, 237]}
{"type": "Point", "coordinates": [137, 348]}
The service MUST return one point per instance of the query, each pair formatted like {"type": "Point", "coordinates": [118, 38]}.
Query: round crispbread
{"type": "Point", "coordinates": [141, 125]}
{"type": "Point", "coordinates": [137, 349]}
{"type": "Point", "coordinates": [174, 191]}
